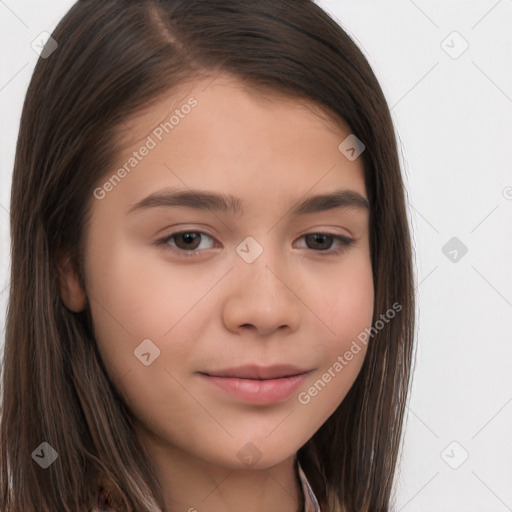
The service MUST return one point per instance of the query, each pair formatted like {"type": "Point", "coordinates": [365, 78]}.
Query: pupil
{"type": "Point", "coordinates": [189, 239]}
{"type": "Point", "coordinates": [319, 238]}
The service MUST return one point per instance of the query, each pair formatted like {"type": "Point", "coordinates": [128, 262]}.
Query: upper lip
{"type": "Point", "coordinates": [258, 372]}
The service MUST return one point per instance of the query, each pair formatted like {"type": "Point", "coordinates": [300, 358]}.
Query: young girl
{"type": "Point", "coordinates": [211, 303]}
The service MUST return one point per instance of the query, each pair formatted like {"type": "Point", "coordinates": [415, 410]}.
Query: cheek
{"type": "Point", "coordinates": [347, 309]}
{"type": "Point", "coordinates": [136, 296]}
{"type": "Point", "coordinates": [131, 288]}
{"type": "Point", "coordinates": [129, 303]}
{"type": "Point", "coordinates": [348, 301]}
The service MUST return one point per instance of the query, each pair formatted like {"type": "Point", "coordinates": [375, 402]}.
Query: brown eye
{"type": "Point", "coordinates": [324, 241]}
{"type": "Point", "coordinates": [185, 242]}
{"type": "Point", "coordinates": [319, 241]}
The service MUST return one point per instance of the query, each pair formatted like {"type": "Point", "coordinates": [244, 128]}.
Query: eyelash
{"type": "Point", "coordinates": [345, 243]}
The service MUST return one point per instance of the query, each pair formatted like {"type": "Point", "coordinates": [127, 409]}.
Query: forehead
{"type": "Point", "coordinates": [220, 134]}
{"type": "Point", "coordinates": [218, 94]}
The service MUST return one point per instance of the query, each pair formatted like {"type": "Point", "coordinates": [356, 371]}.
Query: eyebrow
{"type": "Point", "coordinates": [204, 200]}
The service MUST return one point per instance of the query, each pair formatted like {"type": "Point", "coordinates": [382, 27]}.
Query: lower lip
{"type": "Point", "coordinates": [260, 392]}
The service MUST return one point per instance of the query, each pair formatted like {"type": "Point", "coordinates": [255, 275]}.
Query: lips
{"type": "Point", "coordinates": [257, 385]}
{"type": "Point", "coordinates": [257, 372]}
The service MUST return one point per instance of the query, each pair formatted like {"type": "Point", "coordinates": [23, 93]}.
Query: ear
{"type": "Point", "coordinates": [69, 286]}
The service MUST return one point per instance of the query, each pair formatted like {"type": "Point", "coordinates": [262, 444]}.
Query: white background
{"type": "Point", "coordinates": [453, 118]}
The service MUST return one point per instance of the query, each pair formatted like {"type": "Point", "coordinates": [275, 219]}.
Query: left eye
{"type": "Point", "coordinates": [320, 239]}
{"type": "Point", "coordinates": [187, 242]}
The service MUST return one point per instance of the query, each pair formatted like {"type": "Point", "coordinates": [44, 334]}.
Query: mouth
{"type": "Point", "coordinates": [257, 384]}
{"type": "Point", "coordinates": [255, 372]}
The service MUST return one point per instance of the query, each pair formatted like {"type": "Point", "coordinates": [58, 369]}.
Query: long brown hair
{"type": "Point", "coordinates": [114, 58]}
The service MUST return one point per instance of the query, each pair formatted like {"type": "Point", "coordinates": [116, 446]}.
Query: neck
{"type": "Point", "coordinates": [191, 484]}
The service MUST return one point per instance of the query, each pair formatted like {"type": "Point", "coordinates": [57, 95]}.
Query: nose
{"type": "Point", "coordinates": [262, 297]}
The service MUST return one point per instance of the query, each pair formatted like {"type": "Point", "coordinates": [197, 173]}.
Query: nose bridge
{"type": "Point", "coordinates": [261, 296]}
{"type": "Point", "coordinates": [262, 264]}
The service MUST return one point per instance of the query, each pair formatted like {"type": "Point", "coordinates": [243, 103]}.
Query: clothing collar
{"type": "Point", "coordinates": [310, 501]}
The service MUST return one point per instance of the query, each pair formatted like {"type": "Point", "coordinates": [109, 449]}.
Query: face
{"type": "Point", "coordinates": [223, 319]}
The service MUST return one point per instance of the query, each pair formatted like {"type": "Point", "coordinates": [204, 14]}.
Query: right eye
{"type": "Point", "coordinates": [185, 242]}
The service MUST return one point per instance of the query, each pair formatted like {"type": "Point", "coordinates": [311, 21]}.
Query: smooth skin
{"type": "Point", "coordinates": [297, 303]}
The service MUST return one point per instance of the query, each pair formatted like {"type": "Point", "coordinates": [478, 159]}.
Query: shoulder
{"type": "Point", "coordinates": [105, 499]}
{"type": "Point", "coordinates": [102, 501]}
